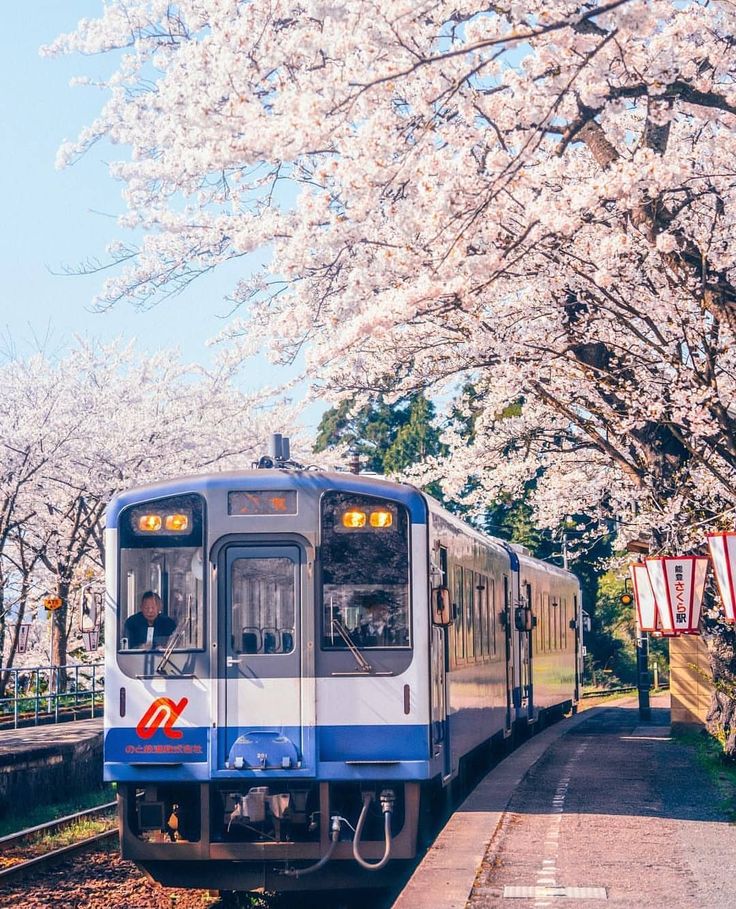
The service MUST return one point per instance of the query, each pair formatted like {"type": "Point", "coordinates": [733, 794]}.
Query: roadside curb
{"type": "Point", "coordinates": [445, 876]}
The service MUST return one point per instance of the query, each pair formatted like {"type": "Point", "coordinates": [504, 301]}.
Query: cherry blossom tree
{"type": "Point", "coordinates": [27, 447]}
{"type": "Point", "coordinates": [106, 418]}
{"type": "Point", "coordinates": [536, 199]}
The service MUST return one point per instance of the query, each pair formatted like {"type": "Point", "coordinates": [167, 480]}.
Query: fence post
{"type": "Point", "coordinates": [642, 675]}
{"type": "Point", "coordinates": [51, 697]}
{"type": "Point", "coordinates": [94, 689]}
{"type": "Point", "coordinates": [15, 702]}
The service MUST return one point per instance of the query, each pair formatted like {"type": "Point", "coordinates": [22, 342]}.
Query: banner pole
{"type": "Point", "coordinates": [642, 675]}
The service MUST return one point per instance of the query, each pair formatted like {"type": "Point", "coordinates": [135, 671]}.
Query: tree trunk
{"type": "Point", "coordinates": [60, 635]}
{"type": "Point", "coordinates": [22, 603]}
{"type": "Point", "coordinates": [721, 720]}
{"type": "Point", "coordinates": [3, 675]}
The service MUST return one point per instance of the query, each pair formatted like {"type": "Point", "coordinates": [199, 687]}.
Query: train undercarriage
{"type": "Point", "coordinates": [290, 836]}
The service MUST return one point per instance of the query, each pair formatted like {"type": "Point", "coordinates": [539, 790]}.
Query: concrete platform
{"type": "Point", "coordinates": [35, 738]}
{"type": "Point", "coordinates": [46, 764]}
{"type": "Point", "coordinates": [445, 877]}
{"type": "Point", "coordinates": [595, 810]}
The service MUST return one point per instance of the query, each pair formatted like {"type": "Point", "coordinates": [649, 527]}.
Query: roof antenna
{"type": "Point", "coordinates": [275, 446]}
{"type": "Point", "coordinates": [279, 454]}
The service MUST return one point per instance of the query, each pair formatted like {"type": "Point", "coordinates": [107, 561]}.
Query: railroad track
{"type": "Point", "coordinates": [12, 846]}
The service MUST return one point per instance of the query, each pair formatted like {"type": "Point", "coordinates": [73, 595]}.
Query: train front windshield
{"type": "Point", "coordinates": [365, 573]}
{"type": "Point", "coordinates": [161, 575]}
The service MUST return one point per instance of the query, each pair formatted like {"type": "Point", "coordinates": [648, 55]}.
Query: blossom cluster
{"type": "Point", "coordinates": [534, 198]}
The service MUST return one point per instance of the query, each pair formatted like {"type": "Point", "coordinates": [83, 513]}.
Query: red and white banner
{"type": "Point", "coordinates": [91, 640]}
{"type": "Point", "coordinates": [678, 583]}
{"type": "Point", "coordinates": [723, 552]}
{"type": "Point", "coordinates": [646, 608]}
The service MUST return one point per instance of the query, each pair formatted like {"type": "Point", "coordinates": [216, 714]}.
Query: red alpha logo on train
{"type": "Point", "coordinates": [162, 712]}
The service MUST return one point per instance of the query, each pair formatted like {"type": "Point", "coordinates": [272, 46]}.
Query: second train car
{"type": "Point", "coordinates": [299, 661]}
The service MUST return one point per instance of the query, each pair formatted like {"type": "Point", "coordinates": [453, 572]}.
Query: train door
{"type": "Point", "coordinates": [521, 645]}
{"type": "Point", "coordinates": [523, 656]}
{"type": "Point", "coordinates": [440, 696]}
{"type": "Point", "coordinates": [508, 624]}
{"type": "Point", "coordinates": [519, 628]}
{"type": "Point", "coordinates": [263, 718]}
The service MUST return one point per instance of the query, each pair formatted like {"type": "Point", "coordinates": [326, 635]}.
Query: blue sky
{"type": "Point", "coordinates": [54, 220]}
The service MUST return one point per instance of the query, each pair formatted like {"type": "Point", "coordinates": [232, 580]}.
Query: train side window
{"type": "Point", "coordinates": [479, 601]}
{"type": "Point", "coordinates": [491, 605]}
{"type": "Point", "coordinates": [560, 616]}
{"type": "Point", "coordinates": [443, 566]}
{"type": "Point", "coordinates": [469, 601]}
{"type": "Point", "coordinates": [563, 620]}
{"type": "Point", "coordinates": [543, 606]}
{"type": "Point", "coordinates": [484, 582]}
{"type": "Point", "coordinates": [542, 623]}
{"type": "Point", "coordinates": [457, 596]}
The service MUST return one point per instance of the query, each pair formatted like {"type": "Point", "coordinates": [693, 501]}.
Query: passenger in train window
{"type": "Point", "coordinates": [148, 628]}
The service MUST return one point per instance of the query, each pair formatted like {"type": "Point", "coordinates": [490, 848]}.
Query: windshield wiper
{"type": "Point", "coordinates": [363, 664]}
{"type": "Point", "coordinates": [166, 655]}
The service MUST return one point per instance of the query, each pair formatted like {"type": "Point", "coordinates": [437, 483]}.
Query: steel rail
{"type": "Point", "coordinates": [50, 858]}
{"type": "Point", "coordinates": [57, 824]}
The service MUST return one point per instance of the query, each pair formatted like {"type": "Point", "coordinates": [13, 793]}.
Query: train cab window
{"type": "Point", "coordinates": [365, 573]}
{"type": "Point", "coordinates": [162, 575]}
{"type": "Point", "coordinates": [263, 605]}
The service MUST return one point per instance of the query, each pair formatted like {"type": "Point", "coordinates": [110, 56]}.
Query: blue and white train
{"type": "Point", "coordinates": [340, 645]}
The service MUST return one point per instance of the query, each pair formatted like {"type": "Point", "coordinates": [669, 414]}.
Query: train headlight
{"type": "Point", "coordinates": [177, 522]}
{"type": "Point", "coordinates": [354, 519]}
{"type": "Point", "coordinates": [149, 523]}
{"type": "Point", "coordinates": [381, 519]}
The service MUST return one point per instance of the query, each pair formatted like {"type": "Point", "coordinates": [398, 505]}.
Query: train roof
{"type": "Point", "coordinates": [514, 550]}
{"type": "Point", "coordinates": [419, 503]}
{"type": "Point", "coordinates": [318, 481]}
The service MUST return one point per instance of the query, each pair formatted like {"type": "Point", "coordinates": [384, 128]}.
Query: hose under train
{"type": "Point", "coordinates": [387, 806]}
{"type": "Point", "coordinates": [310, 869]}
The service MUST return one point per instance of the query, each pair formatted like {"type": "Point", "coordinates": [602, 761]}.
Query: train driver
{"type": "Point", "coordinates": [376, 628]}
{"type": "Point", "coordinates": [148, 628]}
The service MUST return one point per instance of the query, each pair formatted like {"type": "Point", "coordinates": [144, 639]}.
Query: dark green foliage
{"type": "Point", "coordinates": [388, 437]}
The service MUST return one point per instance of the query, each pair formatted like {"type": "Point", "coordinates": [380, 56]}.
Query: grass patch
{"type": "Point", "coordinates": [40, 814]}
{"type": "Point", "coordinates": [720, 769]}
{"type": "Point", "coordinates": [595, 695]}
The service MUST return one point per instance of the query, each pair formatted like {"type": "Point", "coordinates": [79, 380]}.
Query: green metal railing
{"type": "Point", "coordinates": [42, 694]}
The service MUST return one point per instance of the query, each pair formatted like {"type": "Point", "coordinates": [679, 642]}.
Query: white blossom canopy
{"type": "Point", "coordinates": [533, 198]}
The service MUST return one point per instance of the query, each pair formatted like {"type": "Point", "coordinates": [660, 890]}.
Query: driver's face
{"type": "Point", "coordinates": [149, 608]}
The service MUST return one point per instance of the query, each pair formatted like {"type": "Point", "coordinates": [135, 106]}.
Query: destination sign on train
{"type": "Point", "coordinates": [262, 502]}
